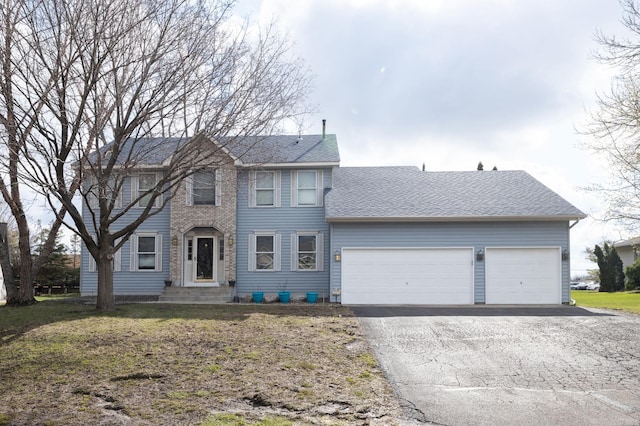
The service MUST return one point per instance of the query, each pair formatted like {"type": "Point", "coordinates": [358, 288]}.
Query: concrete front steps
{"type": "Point", "coordinates": [195, 295]}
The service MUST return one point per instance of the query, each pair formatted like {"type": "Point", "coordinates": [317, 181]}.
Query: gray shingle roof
{"type": "Point", "coordinates": [406, 193]}
{"type": "Point", "coordinates": [286, 149]}
{"type": "Point", "coordinates": [250, 150]}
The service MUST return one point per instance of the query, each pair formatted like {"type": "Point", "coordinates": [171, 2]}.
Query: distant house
{"type": "Point", "coordinates": [628, 250]}
{"type": "Point", "coordinates": [289, 217]}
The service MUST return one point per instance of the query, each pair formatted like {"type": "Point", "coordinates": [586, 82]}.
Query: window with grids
{"type": "Point", "coordinates": [203, 190]}
{"type": "Point", "coordinates": [307, 252]}
{"type": "Point", "coordinates": [265, 252]}
{"type": "Point", "coordinates": [107, 192]}
{"type": "Point", "coordinates": [265, 189]}
{"type": "Point", "coordinates": [307, 188]}
{"type": "Point", "coordinates": [146, 253]}
{"type": "Point", "coordinates": [146, 183]}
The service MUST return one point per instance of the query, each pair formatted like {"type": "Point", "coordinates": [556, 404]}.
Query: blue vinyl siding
{"type": "Point", "coordinates": [452, 234]}
{"type": "Point", "coordinates": [126, 282]}
{"type": "Point", "coordinates": [285, 221]}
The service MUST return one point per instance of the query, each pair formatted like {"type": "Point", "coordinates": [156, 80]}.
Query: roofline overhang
{"type": "Point", "coordinates": [242, 165]}
{"type": "Point", "coordinates": [633, 242]}
{"type": "Point", "coordinates": [335, 219]}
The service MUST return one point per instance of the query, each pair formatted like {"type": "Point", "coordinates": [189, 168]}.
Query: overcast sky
{"type": "Point", "coordinates": [450, 83]}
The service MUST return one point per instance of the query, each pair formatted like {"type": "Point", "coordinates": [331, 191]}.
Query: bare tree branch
{"type": "Point", "coordinates": [613, 129]}
{"type": "Point", "coordinates": [107, 88]}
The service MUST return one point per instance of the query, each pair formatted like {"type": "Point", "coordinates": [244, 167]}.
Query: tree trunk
{"type": "Point", "coordinates": [104, 265]}
{"type": "Point", "coordinates": [24, 295]}
{"type": "Point", "coordinates": [5, 264]}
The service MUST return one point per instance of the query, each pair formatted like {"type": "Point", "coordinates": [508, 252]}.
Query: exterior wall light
{"type": "Point", "coordinates": [480, 255]}
{"type": "Point", "coordinates": [231, 240]}
{"type": "Point", "coordinates": [174, 240]}
{"type": "Point", "coordinates": [336, 256]}
{"type": "Point", "coordinates": [565, 254]}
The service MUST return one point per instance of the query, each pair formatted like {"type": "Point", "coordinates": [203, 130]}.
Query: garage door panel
{"type": "Point", "coordinates": [523, 276]}
{"type": "Point", "coordinates": [407, 276]}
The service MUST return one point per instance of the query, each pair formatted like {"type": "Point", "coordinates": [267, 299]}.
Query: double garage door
{"type": "Point", "coordinates": [445, 276]}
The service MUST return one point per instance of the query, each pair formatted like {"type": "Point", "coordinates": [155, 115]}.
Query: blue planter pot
{"type": "Point", "coordinates": [312, 297]}
{"type": "Point", "coordinates": [257, 296]}
{"type": "Point", "coordinates": [284, 296]}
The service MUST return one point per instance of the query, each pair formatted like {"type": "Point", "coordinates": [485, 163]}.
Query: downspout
{"type": "Point", "coordinates": [572, 302]}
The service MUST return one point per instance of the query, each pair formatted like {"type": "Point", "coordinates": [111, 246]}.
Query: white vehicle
{"type": "Point", "coordinates": [593, 286]}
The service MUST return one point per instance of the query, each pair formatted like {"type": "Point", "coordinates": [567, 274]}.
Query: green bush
{"type": "Point", "coordinates": [633, 276]}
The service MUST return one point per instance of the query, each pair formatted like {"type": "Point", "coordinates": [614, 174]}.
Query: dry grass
{"type": "Point", "coordinates": [147, 364]}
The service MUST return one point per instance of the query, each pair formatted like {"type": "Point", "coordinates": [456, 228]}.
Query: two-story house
{"type": "Point", "coordinates": [279, 213]}
{"type": "Point", "coordinates": [256, 219]}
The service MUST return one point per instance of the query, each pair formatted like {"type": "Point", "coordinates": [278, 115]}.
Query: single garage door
{"type": "Point", "coordinates": [413, 276]}
{"type": "Point", "coordinates": [530, 275]}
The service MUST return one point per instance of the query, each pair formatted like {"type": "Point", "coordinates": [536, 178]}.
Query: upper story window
{"type": "Point", "coordinates": [94, 193]}
{"type": "Point", "coordinates": [306, 188]}
{"type": "Point", "coordinates": [145, 183]}
{"type": "Point", "coordinates": [264, 188]}
{"type": "Point", "coordinates": [203, 188]}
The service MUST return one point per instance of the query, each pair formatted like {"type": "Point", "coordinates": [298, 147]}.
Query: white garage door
{"type": "Point", "coordinates": [414, 276]}
{"type": "Point", "coordinates": [523, 275]}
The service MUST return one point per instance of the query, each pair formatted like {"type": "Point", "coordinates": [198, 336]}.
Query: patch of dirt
{"type": "Point", "coordinates": [164, 364]}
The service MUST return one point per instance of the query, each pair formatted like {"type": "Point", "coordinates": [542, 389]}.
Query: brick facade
{"type": "Point", "coordinates": [222, 218]}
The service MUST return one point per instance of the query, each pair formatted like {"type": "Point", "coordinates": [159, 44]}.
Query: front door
{"type": "Point", "coordinates": [204, 265]}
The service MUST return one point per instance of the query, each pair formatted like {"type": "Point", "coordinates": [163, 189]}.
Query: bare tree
{"type": "Point", "coordinates": [110, 87]}
{"type": "Point", "coordinates": [20, 105]}
{"type": "Point", "coordinates": [613, 129]}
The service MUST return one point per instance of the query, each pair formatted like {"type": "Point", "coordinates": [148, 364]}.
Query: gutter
{"type": "Point", "coordinates": [575, 223]}
{"type": "Point", "coordinates": [354, 219]}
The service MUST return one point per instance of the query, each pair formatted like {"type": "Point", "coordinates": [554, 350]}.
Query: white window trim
{"type": "Point", "coordinates": [117, 259]}
{"type": "Point", "coordinates": [319, 188]}
{"type": "Point", "coordinates": [217, 189]}
{"type": "Point", "coordinates": [319, 251]}
{"type": "Point", "coordinates": [135, 190]}
{"type": "Point", "coordinates": [277, 183]}
{"type": "Point", "coordinates": [92, 197]}
{"type": "Point", "coordinates": [133, 251]}
{"type": "Point", "coordinates": [277, 253]}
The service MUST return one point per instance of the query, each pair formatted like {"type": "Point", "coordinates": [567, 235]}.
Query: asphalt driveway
{"type": "Point", "coordinates": [486, 365]}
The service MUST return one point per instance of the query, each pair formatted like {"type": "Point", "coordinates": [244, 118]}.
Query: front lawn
{"type": "Point", "coordinates": [625, 301]}
{"type": "Point", "coordinates": [64, 363]}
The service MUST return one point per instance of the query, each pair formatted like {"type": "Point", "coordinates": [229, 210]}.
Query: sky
{"type": "Point", "coordinates": [450, 83]}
